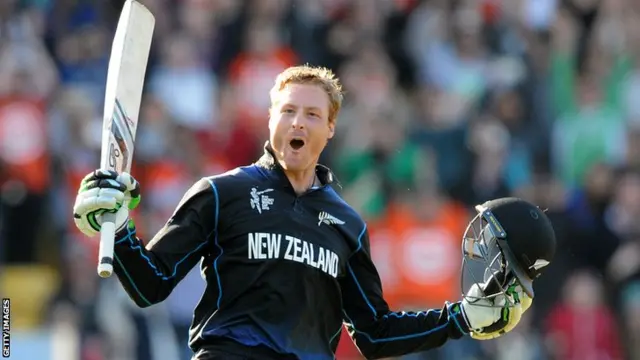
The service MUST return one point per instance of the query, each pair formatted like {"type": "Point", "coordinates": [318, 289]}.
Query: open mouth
{"type": "Point", "coordinates": [296, 144]}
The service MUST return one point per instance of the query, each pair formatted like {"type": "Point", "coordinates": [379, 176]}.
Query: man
{"type": "Point", "coordinates": [286, 260]}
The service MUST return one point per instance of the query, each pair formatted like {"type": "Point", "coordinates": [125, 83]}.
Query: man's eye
{"type": "Point", "coordinates": [314, 114]}
{"type": "Point", "coordinates": [288, 111]}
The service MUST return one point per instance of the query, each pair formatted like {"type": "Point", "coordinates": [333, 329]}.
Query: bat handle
{"type": "Point", "coordinates": [107, 238]}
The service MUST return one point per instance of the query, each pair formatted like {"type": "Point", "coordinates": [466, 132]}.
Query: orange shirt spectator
{"type": "Point", "coordinates": [23, 143]}
{"type": "Point", "coordinates": [425, 254]}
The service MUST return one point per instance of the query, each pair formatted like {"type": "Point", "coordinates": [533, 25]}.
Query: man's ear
{"type": "Point", "coordinates": [332, 129]}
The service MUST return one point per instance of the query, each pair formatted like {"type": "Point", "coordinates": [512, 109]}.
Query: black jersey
{"type": "Point", "coordinates": [283, 272]}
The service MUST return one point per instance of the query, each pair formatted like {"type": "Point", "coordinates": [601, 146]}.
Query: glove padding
{"type": "Point", "coordinates": [104, 191]}
{"type": "Point", "coordinates": [491, 318]}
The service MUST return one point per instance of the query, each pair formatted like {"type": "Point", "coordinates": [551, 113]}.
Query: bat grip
{"type": "Point", "coordinates": [107, 238]}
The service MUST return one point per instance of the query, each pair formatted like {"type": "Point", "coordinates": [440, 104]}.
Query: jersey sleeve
{"type": "Point", "coordinates": [150, 273]}
{"type": "Point", "coordinates": [379, 332]}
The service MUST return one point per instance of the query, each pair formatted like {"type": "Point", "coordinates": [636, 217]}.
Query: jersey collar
{"type": "Point", "coordinates": [269, 163]}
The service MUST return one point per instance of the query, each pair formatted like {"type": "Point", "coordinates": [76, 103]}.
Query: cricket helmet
{"type": "Point", "coordinates": [510, 241]}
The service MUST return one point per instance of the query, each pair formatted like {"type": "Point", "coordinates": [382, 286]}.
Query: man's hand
{"type": "Point", "coordinates": [104, 191]}
{"type": "Point", "coordinates": [491, 318]}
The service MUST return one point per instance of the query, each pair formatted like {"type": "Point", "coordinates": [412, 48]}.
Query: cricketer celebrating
{"type": "Point", "coordinates": [287, 261]}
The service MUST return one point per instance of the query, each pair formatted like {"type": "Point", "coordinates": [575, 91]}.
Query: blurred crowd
{"type": "Point", "coordinates": [449, 103]}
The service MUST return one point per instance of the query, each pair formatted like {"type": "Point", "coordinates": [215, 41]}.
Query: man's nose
{"type": "Point", "coordinates": [298, 122]}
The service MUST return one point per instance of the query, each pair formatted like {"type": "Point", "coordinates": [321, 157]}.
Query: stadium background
{"type": "Point", "coordinates": [449, 103]}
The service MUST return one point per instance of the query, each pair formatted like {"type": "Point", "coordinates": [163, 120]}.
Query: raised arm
{"type": "Point", "coordinates": [150, 273]}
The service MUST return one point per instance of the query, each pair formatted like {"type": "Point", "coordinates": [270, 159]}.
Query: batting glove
{"type": "Point", "coordinates": [492, 318]}
{"type": "Point", "coordinates": [104, 191]}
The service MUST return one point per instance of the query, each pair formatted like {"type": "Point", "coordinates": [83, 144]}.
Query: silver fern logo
{"type": "Point", "coordinates": [325, 217]}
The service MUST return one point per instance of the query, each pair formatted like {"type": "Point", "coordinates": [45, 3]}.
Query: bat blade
{"type": "Point", "coordinates": [125, 81]}
{"type": "Point", "coordinates": [123, 96]}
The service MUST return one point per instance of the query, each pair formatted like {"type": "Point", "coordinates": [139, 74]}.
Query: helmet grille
{"type": "Point", "coordinates": [484, 264]}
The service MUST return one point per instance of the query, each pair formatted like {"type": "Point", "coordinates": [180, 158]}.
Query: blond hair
{"type": "Point", "coordinates": [307, 74]}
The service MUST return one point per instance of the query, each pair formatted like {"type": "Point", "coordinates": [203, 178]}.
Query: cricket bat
{"type": "Point", "coordinates": [123, 95]}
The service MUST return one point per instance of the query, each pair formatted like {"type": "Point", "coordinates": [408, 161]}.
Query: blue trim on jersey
{"type": "Point", "coordinates": [364, 296]}
{"type": "Point", "coordinates": [215, 229]}
{"type": "Point", "coordinates": [393, 338]}
{"type": "Point", "coordinates": [364, 230]}
{"type": "Point", "coordinates": [127, 237]}
{"type": "Point", "coordinates": [126, 273]}
{"type": "Point", "coordinates": [353, 275]}
{"type": "Point", "coordinates": [130, 233]}
{"type": "Point", "coordinates": [412, 314]}
{"type": "Point", "coordinates": [453, 316]}
{"type": "Point", "coordinates": [158, 272]}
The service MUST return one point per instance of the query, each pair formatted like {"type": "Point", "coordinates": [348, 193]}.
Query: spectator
{"type": "Point", "coordinates": [581, 326]}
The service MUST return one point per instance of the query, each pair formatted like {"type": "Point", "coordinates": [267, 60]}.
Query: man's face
{"type": "Point", "coordinates": [299, 125]}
